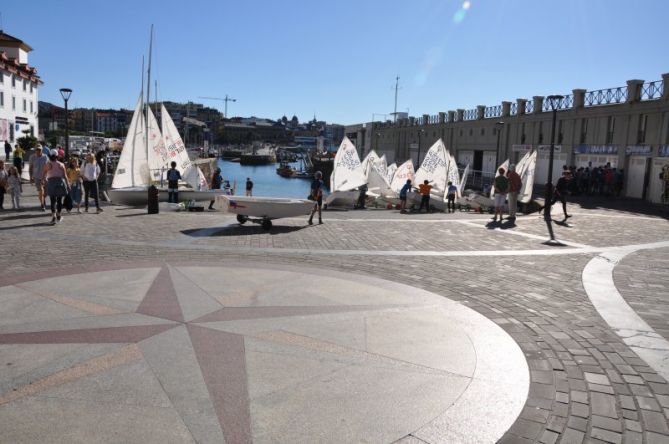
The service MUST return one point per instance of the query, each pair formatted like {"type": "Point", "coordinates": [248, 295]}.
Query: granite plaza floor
{"type": "Point", "coordinates": [373, 327]}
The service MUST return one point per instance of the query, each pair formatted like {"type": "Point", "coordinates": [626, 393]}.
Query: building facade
{"type": "Point", "coordinates": [626, 127]}
{"type": "Point", "coordinates": [19, 83]}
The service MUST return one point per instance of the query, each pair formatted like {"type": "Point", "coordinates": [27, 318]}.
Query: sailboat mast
{"type": "Point", "coordinates": [148, 93]}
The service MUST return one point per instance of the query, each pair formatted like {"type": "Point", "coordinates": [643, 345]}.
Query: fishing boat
{"type": "Point", "coordinates": [262, 210]}
{"type": "Point", "coordinates": [285, 170]}
{"type": "Point", "coordinates": [347, 176]}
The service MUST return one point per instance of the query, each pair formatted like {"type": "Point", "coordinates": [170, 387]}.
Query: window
{"type": "Point", "coordinates": [584, 130]}
{"type": "Point", "coordinates": [25, 84]}
{"type": "Point", "coordinates": [483, 131]}
{"type": "Point", "coordinates": [610, 126]}
{"type": "Point", "coordinates": [2, 99]}
{"type": "Point", "coordinates": [25, 106]}
{"type": "Point", "coordinates": [13, 81]}
{"type": "Point", "coordinates": [31, 107]}
{"type": "Point", "coordinates": [540, 139]}
{"type": "Point", "coordinates": [471, 131]}
{"type": "Point", "coordinates": [641, 133]}
{"type": "Point", "coordinates": [13, 103]}
{"type": "Point", "coordinates": [31, 87]}
{"type": "Point", "coordinates": [2, 77]}
{"type": "Point", "coordinates": [559, 136]}
{"type": "Point", "coordinates": [522, 133]}
{"type": "Point", "coordinates": [460, 132]}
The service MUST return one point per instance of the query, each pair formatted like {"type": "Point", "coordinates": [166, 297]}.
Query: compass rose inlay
{"type": "Point", "coordinates": [226, 354]}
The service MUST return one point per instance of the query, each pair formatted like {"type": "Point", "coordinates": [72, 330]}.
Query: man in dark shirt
{"type": "Point", "coordinates": [317, 197]}
{"type": "Point", "coordinates": [8, 150]}
{"type": "Point", "coordinates": [249, 187]}
{"type": "Point", "coordinates": [216, 182]}
{"type": "Point", "coordinates": [501, 188]}
{"type": "Point", "coordinates": [173, 177]}
{"type": "Point", "coordinates": [560, 192]}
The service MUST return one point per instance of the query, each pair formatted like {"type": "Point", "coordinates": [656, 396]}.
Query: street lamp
{"type": "Point", "coordinates": [555, 101]}
{"type": "Point", "coordinates": [498, 125]}
{"type": "Point", "coordinates": [420, 133]}
{"type": "Point", "coordinates": [66, 93]}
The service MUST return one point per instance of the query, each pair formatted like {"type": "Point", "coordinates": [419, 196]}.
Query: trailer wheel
{"type": "Point", "coordinates": [241, 219]}
{"type": "Point", "coordinates": [266, 224]}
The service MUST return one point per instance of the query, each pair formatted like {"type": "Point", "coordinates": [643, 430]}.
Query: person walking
{"type": "Point", "coordinates": [215, 184]}
{"type": "Point", "coordinates": [515, 184]}
{"type": "Point", "coordinates": [74, 176]}
{"type": "Point", "coordinates": [451, 192]}
{"type": "Point", "coordinates": [317, 197]}
{"type": "Point", "coordinates": [18, 158]}
{"type": "Point", "coordinates": [249, 187]}
{"type": "Point", "coordinates": [173, 178]}
{"type": "Point", "coordinates": [424, 189]}
{"type": "Point", "coordinates": [3, 184]}
{"type": "Point", "coordinates": [14, 187]}
{"type": "Point", "coordinates": [362, 196]}
{"type": "Point", "coordinates": [8, 150]}
{"type": "Point", "coordinates": [36, 164]}
{"type": "Point", "coordinates": [57, 185]}
{"type": "Point", "coordinates": [501, 188]}
{"type": "Point", "coordinates": [560, 192]}
{"type": "Point", "coordinates": [404, 191]}
{"type": "Point", "coordinates": [90, 172]}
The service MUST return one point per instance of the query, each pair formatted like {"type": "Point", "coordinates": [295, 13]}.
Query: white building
{"type": "Point", "coordinates": [18, 90]}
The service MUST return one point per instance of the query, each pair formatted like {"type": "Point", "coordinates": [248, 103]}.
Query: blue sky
{"type": "Point", "coordinates": [338, 60]}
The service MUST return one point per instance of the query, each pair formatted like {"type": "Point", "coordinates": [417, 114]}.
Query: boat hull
{"type": "Point", "coordinates": [342, 198]}
{"type": "Point", "coordinates": [138, 197]}
{"type": "Point", "coordinates": [257, 159]}
{"type": "Point", "coordinates": [264, 207]}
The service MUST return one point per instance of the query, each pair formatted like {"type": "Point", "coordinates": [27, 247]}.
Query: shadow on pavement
{"type": "Point", "coordinates": [240, 230]}
{"type": "Point", "coordinates": [23, 216]}
{"type": "Point", "coordinates": [46, 223]}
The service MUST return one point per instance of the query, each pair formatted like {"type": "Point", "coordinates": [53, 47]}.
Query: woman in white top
{"type": "Point", "coordinates": [90, 171]}
{"type": "Point", "coordinates": [57, 185]}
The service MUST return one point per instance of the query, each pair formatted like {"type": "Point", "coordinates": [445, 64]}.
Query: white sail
{"type": "Point", "coordinates": [391, 172]}
{"type": "Point", "coordinates": [463, 179]}
{"type": "Point", "coordinates": [377, 183]}
{"type": "Point", "coordinates": [505, 165]}
{"type": "Point", "coordinates": [525, 169]}
{"type": "Point", "coordinates": [176, 150]}
{"type": "Point", "coordinates": [370, 159]}
{"type": "Point", "coordinates": [132, 169]}
{"type": "Point", "coordinates": [453, 175]}
{"type": "Point", "coordinates": [434, 167]}
{"type": "Point", "coordinates": [347, 173]}
{"type": "Point", "coordinates": [403, 172]}
{"type": "Point", "coordinates": [157, 156]}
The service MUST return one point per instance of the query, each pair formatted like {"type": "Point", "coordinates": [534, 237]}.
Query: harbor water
{"type": "Point", "coordinates": [266, 182]}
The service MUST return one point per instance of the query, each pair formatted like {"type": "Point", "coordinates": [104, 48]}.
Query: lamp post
{"type": "Point", "coordinates": [66, 93]}
{"type": "Point", "coordinates": [498, 125]}
{"type": "Point", "coordinates": [420, 133]}
{"type": "Point", "coordinates": [555, 102]}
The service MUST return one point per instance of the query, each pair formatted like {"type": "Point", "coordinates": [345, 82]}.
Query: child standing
{"type": "Point", "coordinates": [15, 187]}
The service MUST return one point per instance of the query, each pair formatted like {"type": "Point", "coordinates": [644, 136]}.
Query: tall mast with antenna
{"type": "Point", "coordinates": [148, 93]}
{"type": "Point", "coordinates": [397, 84]}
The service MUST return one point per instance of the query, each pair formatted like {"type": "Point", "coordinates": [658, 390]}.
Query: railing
{"type": "Point", "coordinates": [433, 119]}
{"type": "Point", "coordinates": [529, 107]}
{"type": "Point", "coordinates": [471, 114]}
{"type": "Point", "coordinates": [514, 109]}
{"type": "Point", "coordinates": [419, 121]}
{"type": "Point", "coordinates": [608, 96]}
{"type": "Point", "coordinates": [652, 90]}
{"type": "Point", "coordinates": [566, 103]}
{"type": "Point", "coordinates": [493, 111]}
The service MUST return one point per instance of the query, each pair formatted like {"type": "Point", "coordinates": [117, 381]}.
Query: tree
{"type": "Point", "coordinates": [27, 142]}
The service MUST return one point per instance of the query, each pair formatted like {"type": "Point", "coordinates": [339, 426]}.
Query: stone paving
{"type": "Point", "coordinates": [586, 384]}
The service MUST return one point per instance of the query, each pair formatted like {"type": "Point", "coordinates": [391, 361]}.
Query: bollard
{"type": "Point", "coordinates": [152, 200]}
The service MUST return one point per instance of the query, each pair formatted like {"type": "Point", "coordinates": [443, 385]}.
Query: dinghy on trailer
{"type": "Point", "coordinates": [262, 210]}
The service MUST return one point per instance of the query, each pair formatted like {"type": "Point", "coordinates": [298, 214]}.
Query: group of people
{"type": "Point", "coordinates": [217, 182]}
{"type": "Point", "coordinates": [604, 180]}
{"type": "Point", "coordinates": [64, 182]}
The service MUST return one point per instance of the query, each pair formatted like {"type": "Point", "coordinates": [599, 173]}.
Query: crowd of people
{"type": "Point", "coordinates": [65, 182]}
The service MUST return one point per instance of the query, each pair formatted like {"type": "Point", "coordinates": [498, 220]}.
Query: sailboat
{"type": "Point", "coordinates": [347, 175]}
{"type": "Point", "coordinates": [525, 169]}
{"type": "Point", "coordinates": [434, 169]}
{"type": "Point", "coordinates": [147, 154]}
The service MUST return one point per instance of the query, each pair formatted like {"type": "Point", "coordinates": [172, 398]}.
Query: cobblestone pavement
{"type": "Point", "coordinates": [586, 383]}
